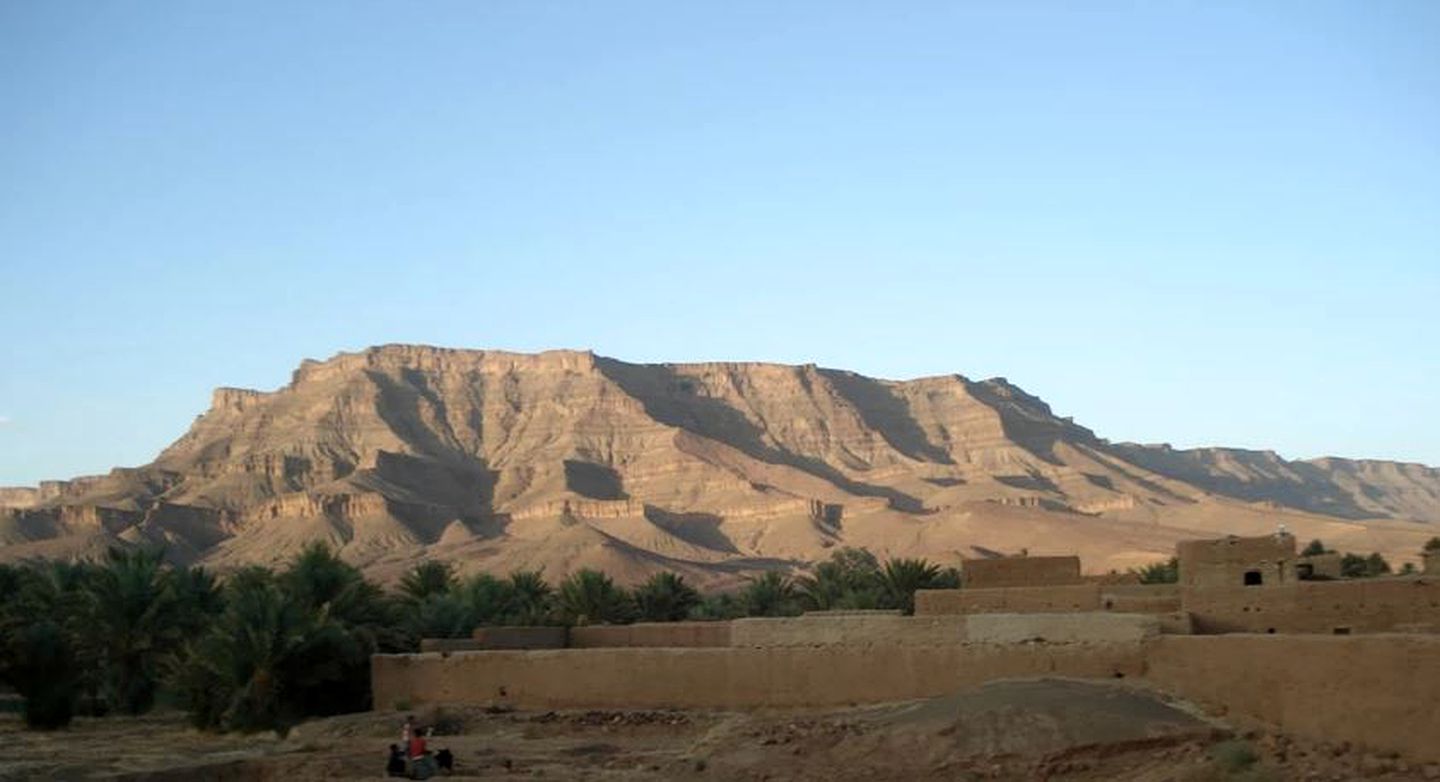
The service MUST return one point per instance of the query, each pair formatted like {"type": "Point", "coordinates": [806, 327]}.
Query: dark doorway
{"type": "Point", "coordinates": [1253, 578]}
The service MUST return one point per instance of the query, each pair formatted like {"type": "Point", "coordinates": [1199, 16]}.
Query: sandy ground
{"type": "Point", "coordinates": [1017, 730]}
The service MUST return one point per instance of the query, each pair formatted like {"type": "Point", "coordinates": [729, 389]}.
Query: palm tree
{"type": "Point", "coordinates": [131, 620]}
{"type": "Point", "coordinates": [849, 579]}
{"type": "Point", "coordinates": [427, 579]}
{"type": "Point", "coordinates": [338, 597]}
{"type": "Point", "coordinates": [770, 594]}
{"type": "Point", "coordinates": [1164, 572]}
{"type": "Point", "coordinates": [590, 597]}
{"type": "Point", "coordinates": [444, 615]}
{"type": "Point", "coordinates": [265, 660]}
{"type": "Point", "coordinates": [900, 578]}
{"type": "Point", "coordinates": [38, 654]}
{"type": "Point", "coordinates": [487, 597]}
{"type": "Point", "coordinates": [531, 600]}
{"type": "Point", "coordinates": [198, 596]}
{"type": "Point", "coordinates": [665, 597]}
{"type": "Point", "coordinates": [823, 589]}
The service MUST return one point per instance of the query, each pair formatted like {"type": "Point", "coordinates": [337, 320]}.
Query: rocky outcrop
{"type": "Point", "coordinates": [564, 458]}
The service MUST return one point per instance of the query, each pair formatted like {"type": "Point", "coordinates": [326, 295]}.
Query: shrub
{"type": "Point", "coordinates": [1166, 572]}
{"type": "Point", "coordinates": [1357, 566]}
{"type": "Point", "coordinates": [1234, 756]}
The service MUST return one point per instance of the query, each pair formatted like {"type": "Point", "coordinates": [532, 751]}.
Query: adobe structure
{"type": "Point", "coordinates": [1020, 572]}
{"type": "Point", "coordinates": [1247, 631]}
{"type": "Point", "coordinates": [1234, 561]}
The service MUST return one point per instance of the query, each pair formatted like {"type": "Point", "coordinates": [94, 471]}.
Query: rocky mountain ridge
{"type": "Point", "coordinates": [565, 459]}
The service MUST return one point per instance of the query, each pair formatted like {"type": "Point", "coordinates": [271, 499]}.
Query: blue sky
{"type": "Point", "coordinates": [1202, 223]}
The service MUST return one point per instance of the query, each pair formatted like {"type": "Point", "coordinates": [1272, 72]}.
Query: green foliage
{"type": "Point", "coordinates": [269, 660]}
{"type": "Point", "coordinates": [441, 615]}
{"type": "Point", "coordinates": [1357, 566]}
{"type": "Point", "coordinates": [719, 606]}
{"type": "Point", "coordinates": [1377, 565]}
{"type": "Point", "coordinates": [1233, 757]}
{"type": "Point", "coordinates": [38, 655]}
{"type": "Point", "coordinates": [531, 599]}
{"type": "Point", "coordinates": [428, 579]}
{"type": "Point", "coordinates": [589, 597]}
{"type": "Point", "coordinates": [850, 579]}
{"type": "Point", "coordinates": [1166, 572]}
{"type": "Point", "coordinates": [770, 594]}
{"type": "Point", "coordinates": [1432, 544]}
{"type": "Point", "coordinates": [1315, 547]}
{"type": "Point", "coordinates": [135, 613]}
{"type": "Point", "coordinates": [665, 597]}
{"type": "Point", "coordinates": [42, 665]}
{"type": "Point", "coordinates": [900, 578]}
{"type": "Point", "coordinates": [1408, 569]}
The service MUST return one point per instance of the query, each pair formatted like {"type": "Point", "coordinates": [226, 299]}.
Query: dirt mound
{"type": "Point", "coordinates": [1046, 716]}
{"type": "Point", "coordinates": [1010, 728]}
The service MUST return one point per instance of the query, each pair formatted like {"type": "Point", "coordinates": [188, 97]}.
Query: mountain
{"type": "Point", "coordinates": [563, 459]}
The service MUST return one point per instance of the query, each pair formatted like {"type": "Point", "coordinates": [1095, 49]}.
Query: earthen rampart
{"type": "Point", "coordinates": [729, 678]}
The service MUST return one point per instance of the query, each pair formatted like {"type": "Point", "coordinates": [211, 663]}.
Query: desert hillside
{"type": "Point", "coordinates": [564, 459]}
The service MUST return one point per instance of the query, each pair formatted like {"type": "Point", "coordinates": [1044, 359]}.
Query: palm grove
{"type": "Point", "coordinates": [263, 649]}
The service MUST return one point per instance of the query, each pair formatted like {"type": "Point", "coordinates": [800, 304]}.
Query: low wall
{"type": "Point", "coordinates": [1378, 691]}
{"type": "Point", "coordinates": [1362, 606]}
{"type": "Point", "coordinates": [657, 634]}
{"type": "Point", "coordinates": [451, 645]}
{"type": "Point", "coordinates": [1061, 628]}
{"type": "Point", "coordinates": [728, 678]}
{"type": "Point", "coordinates": [1010, 600]}
{"type": "Point", "coordinates": [845, 629]}
{"type": "Point", "coordinates": [520, 637]}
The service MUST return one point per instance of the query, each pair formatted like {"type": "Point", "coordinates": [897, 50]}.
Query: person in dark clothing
{"type": "Point", "coordinates": [445, 760]}
{"type": "Point", "coordinates": [396, 766]}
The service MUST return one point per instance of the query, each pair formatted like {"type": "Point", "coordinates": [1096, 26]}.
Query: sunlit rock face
{"type": "Point", "coordinates": [564, 459]}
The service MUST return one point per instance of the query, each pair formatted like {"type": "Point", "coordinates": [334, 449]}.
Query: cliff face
{"type": "Point", "coordinates": [564, 459]}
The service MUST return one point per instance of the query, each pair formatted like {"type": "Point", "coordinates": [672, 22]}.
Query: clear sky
{"type": "Point", "coordinates": [1207, 223]}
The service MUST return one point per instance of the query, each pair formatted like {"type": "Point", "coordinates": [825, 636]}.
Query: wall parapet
{"type": "Point", "coordinates": [1008, 600]}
